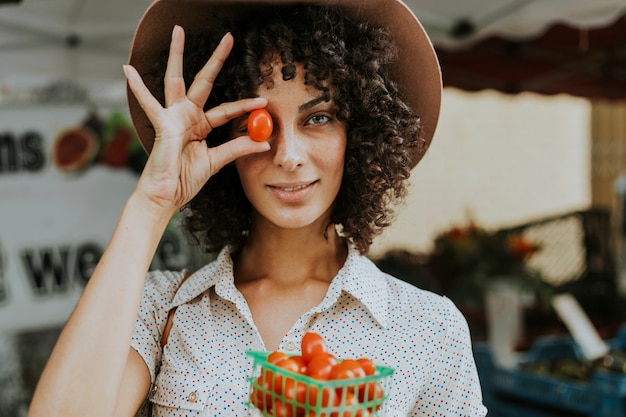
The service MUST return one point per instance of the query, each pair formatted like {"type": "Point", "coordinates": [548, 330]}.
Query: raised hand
{"type": "Point", "coordinates": [180, 163]}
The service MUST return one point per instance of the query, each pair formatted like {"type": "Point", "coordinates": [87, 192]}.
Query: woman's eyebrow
{"type": "Point", "coordinates": [312, 103]}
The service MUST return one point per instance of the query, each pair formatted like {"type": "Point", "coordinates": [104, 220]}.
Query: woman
{"type": "Point", "coordinates": [353, 89]}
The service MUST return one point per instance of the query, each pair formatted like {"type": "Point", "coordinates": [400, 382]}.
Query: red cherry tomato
{"type": "Point", "coordinates": [356, 367]}
{"type": "Point", "coordinates": [321, 365]}
{"type": "Point", "coordinates": [260, 125]}
{"type": "Point", "coordinates": [346, 369]}
{"type": "Point", "coordinates": [282, 409]}
{"type": "Point", "coordinates": [322, 397]}
{"type": "Point", "coordinates": [301, 363]}
{"type": "Point", "coordinates": [341, 372]}
{"type": "Point", "coordinates": [276, 357]}
{"type": "Point", "coordinates": [289, 365]}
{"type": "Point", "coordinates": [371, 392]}
{"type": "Point", "coordinates": [312, 344]}
{"type": "Point", "coordinates": [367, 365]}
{"type": "Point", "coordinates": [295, 391]}
{"type": "Point", "coordinates": [261, 396]}
{"type": "Point", "coordinates": [350, 403]}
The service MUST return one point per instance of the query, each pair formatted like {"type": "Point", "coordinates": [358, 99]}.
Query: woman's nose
{"type": "Point", "coordinates": [288, 150]}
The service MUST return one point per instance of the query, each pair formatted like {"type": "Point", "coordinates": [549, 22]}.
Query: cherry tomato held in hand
{"type": "Point", "coordinates": [260, 125]}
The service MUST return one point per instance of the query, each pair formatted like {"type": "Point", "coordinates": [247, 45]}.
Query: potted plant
{"type": "Point", "coordinates": [468, 259]}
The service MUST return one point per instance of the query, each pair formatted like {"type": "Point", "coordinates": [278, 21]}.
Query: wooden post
{"type": "Point", "coordinates": [608, 150]}
{"type": "Point", "coordinates": [608, 165]}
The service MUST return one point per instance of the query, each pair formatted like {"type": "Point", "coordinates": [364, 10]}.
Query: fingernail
{"type": "Point", "coordinates": [176, 29]}
{"type": "Point", "coordinates": [224, 37]}
{"type": "Point", "coordinates": [125, 69]}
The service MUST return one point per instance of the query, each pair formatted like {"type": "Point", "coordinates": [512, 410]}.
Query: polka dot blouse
{"type": "Point", "coordinates": [366, 313]}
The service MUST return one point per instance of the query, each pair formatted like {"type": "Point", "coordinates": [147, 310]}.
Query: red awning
{"type": "Point", "coordinates": [564, 59]}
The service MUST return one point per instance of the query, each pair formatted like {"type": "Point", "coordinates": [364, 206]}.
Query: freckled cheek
{"type": "Point", "coordinates": [327, 158]}
{"type": "Point", "coordinates": [333, 160]}
{"type": "Point", "coordinates": [336, 162]}
{"type": "Point", "coordinates": [249, 162]}
{"type": "Point", "coordinates": [247, 168]}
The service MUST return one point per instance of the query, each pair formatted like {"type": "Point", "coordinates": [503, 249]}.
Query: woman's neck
{"type": "Point", "coordinates": [290, 255]}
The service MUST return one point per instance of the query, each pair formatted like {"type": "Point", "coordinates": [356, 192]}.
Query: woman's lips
{"type": "Point", "coordinates": [292, 193]}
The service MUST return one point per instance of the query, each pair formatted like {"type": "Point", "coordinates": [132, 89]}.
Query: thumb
{"type": "Point", "coordinates": [234, 149]}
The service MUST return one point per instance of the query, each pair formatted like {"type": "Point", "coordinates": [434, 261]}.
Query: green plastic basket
{"type": "Point", "coordinates": [276, 392]}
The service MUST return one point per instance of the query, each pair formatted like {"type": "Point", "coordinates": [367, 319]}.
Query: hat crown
{"type": "Point", "coordinates": [416, 73]}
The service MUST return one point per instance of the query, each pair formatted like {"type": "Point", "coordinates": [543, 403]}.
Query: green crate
{"type": "Point", "coordinates": [276, 392]}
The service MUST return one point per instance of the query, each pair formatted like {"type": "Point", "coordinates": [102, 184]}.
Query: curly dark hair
{"type": "Point", "coordinates": [349, 62]}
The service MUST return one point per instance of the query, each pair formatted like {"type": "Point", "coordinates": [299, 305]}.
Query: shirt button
{"type": "Point", "coordinates": [290, 346]}
{"type": "Point", "coordinates": [193, 397]}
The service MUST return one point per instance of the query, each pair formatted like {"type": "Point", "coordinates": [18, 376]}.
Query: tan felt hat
{"type": "Point", "coordinates": [416, 71]}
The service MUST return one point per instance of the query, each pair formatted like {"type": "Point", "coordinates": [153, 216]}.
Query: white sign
{"type": "Point", "coordinates": [54, 225]}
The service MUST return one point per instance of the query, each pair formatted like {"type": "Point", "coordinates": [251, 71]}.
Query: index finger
{"type": "Point", "coordinates": [203, 82]}
{"type": "Point", "coordinates": [225, 112]}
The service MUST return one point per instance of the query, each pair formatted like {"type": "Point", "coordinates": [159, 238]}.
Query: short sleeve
{"type": "Point", "coordinates": [455, 387]}
{"type": "Point", "coordinates": [156, 302]}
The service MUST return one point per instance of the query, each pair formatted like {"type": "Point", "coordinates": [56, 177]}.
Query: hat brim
{"type": "Point", "coordinates": [416, 71]}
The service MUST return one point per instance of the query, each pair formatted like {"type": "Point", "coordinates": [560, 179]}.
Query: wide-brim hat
{"type": "Point", "coordinates": [416, 70]}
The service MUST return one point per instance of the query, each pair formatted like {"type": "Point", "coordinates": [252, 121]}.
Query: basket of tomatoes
{"type": "Point", "coordinates": [316, 383]}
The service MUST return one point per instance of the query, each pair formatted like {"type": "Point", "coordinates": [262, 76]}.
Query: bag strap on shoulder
{"type": "Point", "coordinates": [170, 315]}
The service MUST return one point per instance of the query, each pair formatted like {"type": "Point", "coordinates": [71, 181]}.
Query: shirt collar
{"type": "Point", "coordinates": [358, 277]}
{"type": "Point", "coordinates": [220, 270]}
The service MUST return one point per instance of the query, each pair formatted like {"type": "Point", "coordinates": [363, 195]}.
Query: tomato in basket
{"type": "Point", "coordinates": [317, 384]}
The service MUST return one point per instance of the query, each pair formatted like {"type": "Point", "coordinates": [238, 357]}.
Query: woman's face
{"type": "Point", "coordinates": [295, 183]}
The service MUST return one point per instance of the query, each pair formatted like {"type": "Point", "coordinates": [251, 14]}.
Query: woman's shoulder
{"type": "Point", "coordinates": [401, 295]}
{"type": "Point", "coordinates": [415, 301]}
{"type": "Point", "coordinates": [162, 285]}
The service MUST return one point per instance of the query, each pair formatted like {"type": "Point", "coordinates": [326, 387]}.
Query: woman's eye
{"type": "Point", "coordinates": [318, 119]}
